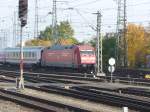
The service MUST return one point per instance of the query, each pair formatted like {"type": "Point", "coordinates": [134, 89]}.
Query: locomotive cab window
{"type": "Point", "coordinates": [87, 52]}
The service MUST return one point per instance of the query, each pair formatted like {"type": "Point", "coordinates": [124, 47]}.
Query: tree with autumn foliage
{"type": "Point", "coordinates": [147, 41]}
{"type": "Point", "coordinates": [38, 42]}
{"type": "Point", "coordinates": [136, 45]}
{"type": "Point", "coordinates": [68, 41]}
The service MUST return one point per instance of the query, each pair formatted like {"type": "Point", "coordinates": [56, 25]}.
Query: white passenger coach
{"type": "Point", "coordinates": [31, 55]}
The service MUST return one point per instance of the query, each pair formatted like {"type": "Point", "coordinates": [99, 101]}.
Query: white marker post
{"type": "Point", "coordinates": [125, 109]}
{"type": "Point", "coordinates": [111, 68]}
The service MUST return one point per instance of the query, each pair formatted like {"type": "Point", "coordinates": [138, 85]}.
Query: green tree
{"type": "Point", "coordinates": [64, 30]}
{"type": "Point", "coordinates": [65, 36]}
{"type": "Point", "coordinates": [109, 45]}
{"type": "Point", "coordinates": [46, 34]}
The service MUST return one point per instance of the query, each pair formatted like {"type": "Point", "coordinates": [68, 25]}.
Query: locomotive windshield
{"type": "Point", "coordinates": [87, 52]}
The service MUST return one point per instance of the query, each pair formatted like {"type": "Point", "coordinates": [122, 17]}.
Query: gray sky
{"type": "Point", "coordinates": [138, 11]}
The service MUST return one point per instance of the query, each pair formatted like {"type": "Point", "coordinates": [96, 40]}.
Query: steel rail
{"type": "Point", "coordinates": [37, 103]}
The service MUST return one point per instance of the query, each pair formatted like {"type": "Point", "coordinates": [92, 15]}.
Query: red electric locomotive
{"type": "Point", "coordinates": [74, 56]}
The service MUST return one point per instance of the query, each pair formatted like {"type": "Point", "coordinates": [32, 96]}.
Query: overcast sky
{"type": "Point", "coordinates": [81, 17]}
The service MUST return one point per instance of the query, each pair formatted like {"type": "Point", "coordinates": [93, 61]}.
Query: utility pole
{"type": "Point", "coordinates": [2, 39]}
{"type": "Point", "coordinates": [121, 41]}
{"type": "Point", "coordinates": [14, 30]}
{"type": "Point", "coordinates": [36, 32]}
{"type": "Point", "coordinates": [3, 34]}
{"type": "Point", "coordinates": [5, 39]}
{"type": "Point", "coordinates": [54, 22]}
{"type": "Point", "coordinates": [99, 53]}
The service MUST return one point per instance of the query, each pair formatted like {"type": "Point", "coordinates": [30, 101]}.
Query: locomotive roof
{"type": "Point", "coordinates": [61, 47]}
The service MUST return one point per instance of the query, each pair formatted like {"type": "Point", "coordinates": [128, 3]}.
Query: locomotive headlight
{"type": "Point", "coordinates": [84, 65]}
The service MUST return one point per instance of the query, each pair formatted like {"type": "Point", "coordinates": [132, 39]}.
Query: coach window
{"type": "Point", "coordinates": [14, 54]}
{"type": "Point", "coordinates": [32, 54]}
{"type": "Point", "coordinates": [24, 54]}
{"type": "Point", "coordinates": [29, 54]}
{"type": "Point", "coordinates": [18, 54]}
{"type": "Point", "coordinates": [9, 54]}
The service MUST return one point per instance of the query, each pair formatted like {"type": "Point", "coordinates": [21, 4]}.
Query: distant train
{"type": "Point", "coordinates": [73, 56]}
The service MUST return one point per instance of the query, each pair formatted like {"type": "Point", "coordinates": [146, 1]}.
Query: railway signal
{"type": "Point", "coordinates": [23, 10]}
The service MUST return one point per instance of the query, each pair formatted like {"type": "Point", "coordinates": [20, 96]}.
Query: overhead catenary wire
{"type": "Point", "coordinates": [84, 11]}
{"type": "Point", "coordinates": [87, 3]}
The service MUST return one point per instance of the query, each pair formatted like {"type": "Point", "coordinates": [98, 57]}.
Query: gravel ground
{"type": "Point", "coordinates": [7, 106]}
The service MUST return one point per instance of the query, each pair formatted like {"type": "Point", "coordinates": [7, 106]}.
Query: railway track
{"type": "Point", "coordinates": [51, 70]}
{"type": "Point", "coordinates": [50, 78]}
{"type": "Point", "coordinates": [56, 76]}
{"type": "Point", "coordinates": [91, 95]}
{"type": "Point", "coordinates": [132, 73]}
{"type": "Point", "coordinates": [37, 103]}
{"type": "Point", "coordinates": [97, 96]}
{"type": "Point", "coordinates": [129, 90]}
{"type": "Point", "coordinates": [128, 80]}
{"type": "Point", "coordinates": [136, 91]}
